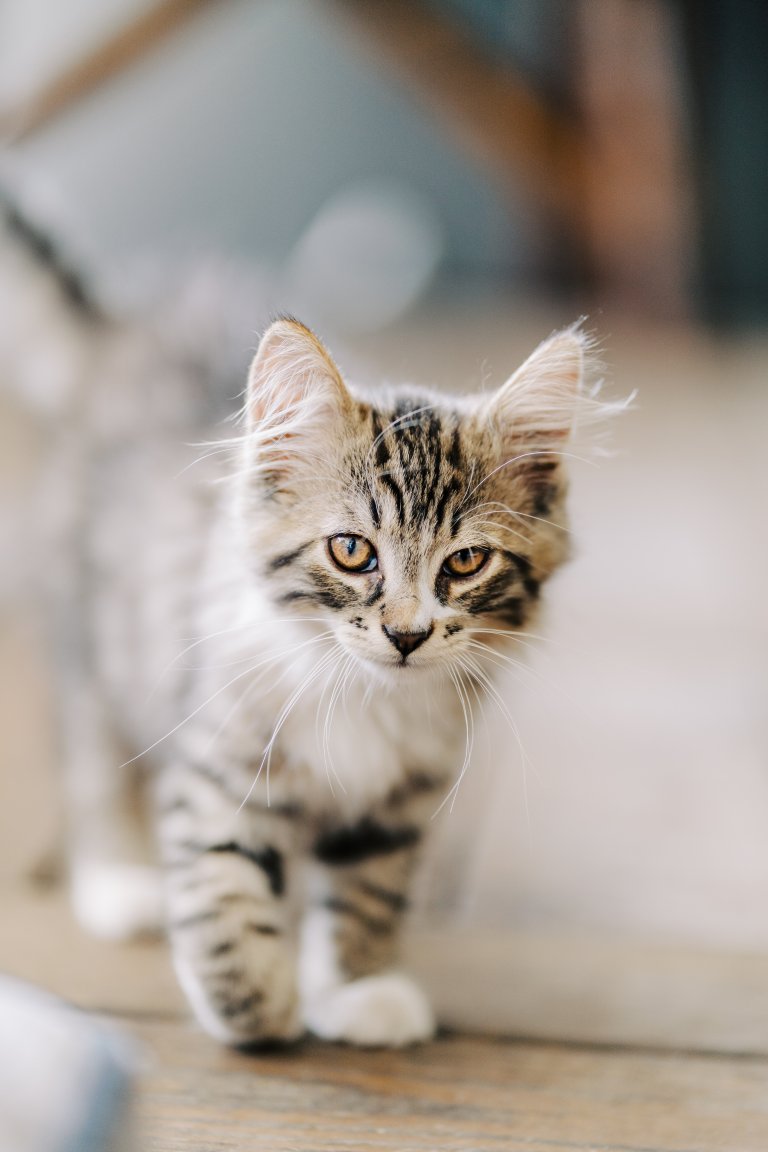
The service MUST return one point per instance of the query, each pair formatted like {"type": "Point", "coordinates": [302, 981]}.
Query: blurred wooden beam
{"type": "Point", "coordinates": [114, 55]}
{"type": "Point", "coordinates": [498, 118]}
{"type": "Point", "coordinates": [638, 196]}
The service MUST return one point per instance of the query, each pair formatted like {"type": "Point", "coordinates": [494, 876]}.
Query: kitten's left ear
{"type": "Point", "coordinates": [540, 402]}
{"type": "Point", "coordinates": [532, 416]}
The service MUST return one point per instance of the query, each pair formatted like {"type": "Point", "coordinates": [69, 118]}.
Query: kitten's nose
{"type": "Point", "coordinates": [406, 642]}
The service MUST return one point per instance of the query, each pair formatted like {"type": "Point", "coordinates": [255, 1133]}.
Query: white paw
{"type": "Point", "coordinates": [376, 1011]}
{"type": "Point", "coordinates": [118, 901]}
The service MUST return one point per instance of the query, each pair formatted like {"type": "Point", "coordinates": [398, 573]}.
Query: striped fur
{"type": "Point", "coordinates": [303, 781]}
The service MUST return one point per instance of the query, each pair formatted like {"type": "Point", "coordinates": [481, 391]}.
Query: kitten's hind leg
{"type": "Point", "coordinates": [227, 882]}
{"type": "Point", "coordinates": [116, 892]}
{"type": "Point", "coordinates": [350, 989]}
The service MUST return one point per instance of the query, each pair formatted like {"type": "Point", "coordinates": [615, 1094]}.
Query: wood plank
{"type": "Point", "coordinates": [454, 1094]}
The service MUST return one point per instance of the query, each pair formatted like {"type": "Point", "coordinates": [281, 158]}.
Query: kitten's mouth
{"type": "Point", "coordinates": [402, 666]}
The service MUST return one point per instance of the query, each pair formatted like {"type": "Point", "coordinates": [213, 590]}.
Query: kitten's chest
{"type": "Point", "coordinates": [352, 751]}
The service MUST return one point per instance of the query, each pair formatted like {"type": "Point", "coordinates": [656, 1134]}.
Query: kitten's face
{"type": "Point", "coordinates": [413, 527]}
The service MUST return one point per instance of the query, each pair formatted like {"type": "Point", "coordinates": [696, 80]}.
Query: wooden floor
{"type": "Point", "coordinates": [463, 1092]}
{"type": "Point", "coordinates": [457, 1093]}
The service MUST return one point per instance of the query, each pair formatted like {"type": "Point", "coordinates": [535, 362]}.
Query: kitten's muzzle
{"type": "Point", "coordinates": [407, 642]}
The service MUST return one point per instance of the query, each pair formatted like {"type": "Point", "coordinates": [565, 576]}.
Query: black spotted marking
{"type": "Point", "coordinates": [285, 559]}
{"type": "Point", "coordinates": [453, 628]}
{"type": "Point", "coordinates": [268, 860]}
{"type": "Point", "coordinates": [372, 924]}
{"type": "Point", "coordinates": [375, 513]}
{"type": "Point", "coordinates": [455, 523]}
{"type": "Point", "coordinates": [363, 841]}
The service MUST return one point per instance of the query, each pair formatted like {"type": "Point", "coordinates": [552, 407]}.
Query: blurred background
{"type": "Point", "coordinates": [436, 185]}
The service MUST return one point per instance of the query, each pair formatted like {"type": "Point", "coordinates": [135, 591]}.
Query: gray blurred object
{"type": "Point", "coordinates": [365, 258]}
{"type": "Point", "coordinates": [67, 1081]}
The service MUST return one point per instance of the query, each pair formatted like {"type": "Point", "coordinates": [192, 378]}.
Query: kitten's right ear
{"type": "Point", "coordinates": [295, 398]}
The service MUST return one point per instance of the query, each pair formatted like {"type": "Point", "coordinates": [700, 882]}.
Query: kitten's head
{"type": "Point", "coordinates": [410, 521]}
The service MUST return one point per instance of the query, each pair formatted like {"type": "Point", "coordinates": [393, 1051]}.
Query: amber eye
{"type": "Point", "coordinates": [465, 562]}
{"type": "Point", "coordinates": [353, 553]}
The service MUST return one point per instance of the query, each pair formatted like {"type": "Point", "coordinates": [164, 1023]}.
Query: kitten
{"type": "Point", "coordinates": [371, 555]}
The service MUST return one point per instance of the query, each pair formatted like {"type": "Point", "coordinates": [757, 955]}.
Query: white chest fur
{"type": "Point", "coordinates": [353, 750]}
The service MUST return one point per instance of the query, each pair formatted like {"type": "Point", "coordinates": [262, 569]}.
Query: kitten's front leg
{"type": "Point", "coordinates": [227, 880]}
{"type": "Point", "coordinates": [358, 893]}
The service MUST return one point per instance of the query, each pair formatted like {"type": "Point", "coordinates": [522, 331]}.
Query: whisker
{"type": "Point", "coordinates": [325, 637]}
{"type": "Point", "coordinates": [517, 512]}
{"type": "Point", "coordinates": [197, 640]}
{"type": "Point", "coordinates": [450, 797]}
{"type": "Point", "coordinates": [284, 714]}
{"type": "Point", "coordinates": [525, 456]}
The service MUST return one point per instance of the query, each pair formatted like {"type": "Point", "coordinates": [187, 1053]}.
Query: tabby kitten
{"type": "Point", "coordinates": [370, 557]}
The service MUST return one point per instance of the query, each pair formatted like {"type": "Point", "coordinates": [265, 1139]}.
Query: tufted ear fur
{"type": "Point", "coordinates": [296, 401]}
{"type": "Point", "coordinates": [540, 402]}
{"type": "Point", "coordinates": [534, 413]}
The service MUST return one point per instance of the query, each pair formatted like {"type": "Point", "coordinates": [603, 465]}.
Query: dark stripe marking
{"type": "Point", "coordinates": [375, 514]}
{"type": "Point", "coordinates": [362, 841]}
{"type": "Point", "coordinates": [377, 593]}
{"type": "Point", "coordinates": [286, 558]}
{"type": "Point", "coordinates": [371, 923]}
{"type": "Point", "coordinates": [394, 900]}
{"type": "Point", "coordinates": [262, 929]}
{"type": "Point", "coordinates": [222, 949]}
{"type": "Point", "coordinates": [396, 491]}
{"type": "Point", "coordinates": [268, 860]}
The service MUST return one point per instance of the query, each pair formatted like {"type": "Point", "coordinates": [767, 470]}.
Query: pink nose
{"type": "Point", "coordinates": [406, 642]}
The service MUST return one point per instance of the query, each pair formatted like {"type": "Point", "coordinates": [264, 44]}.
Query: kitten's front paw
{"type": "Point", "coordinates": [118, 901]}
{"type": "Point", "coordinates": [376, 1011]}
{"type": "Point", "coordinates": [240, 1011]}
